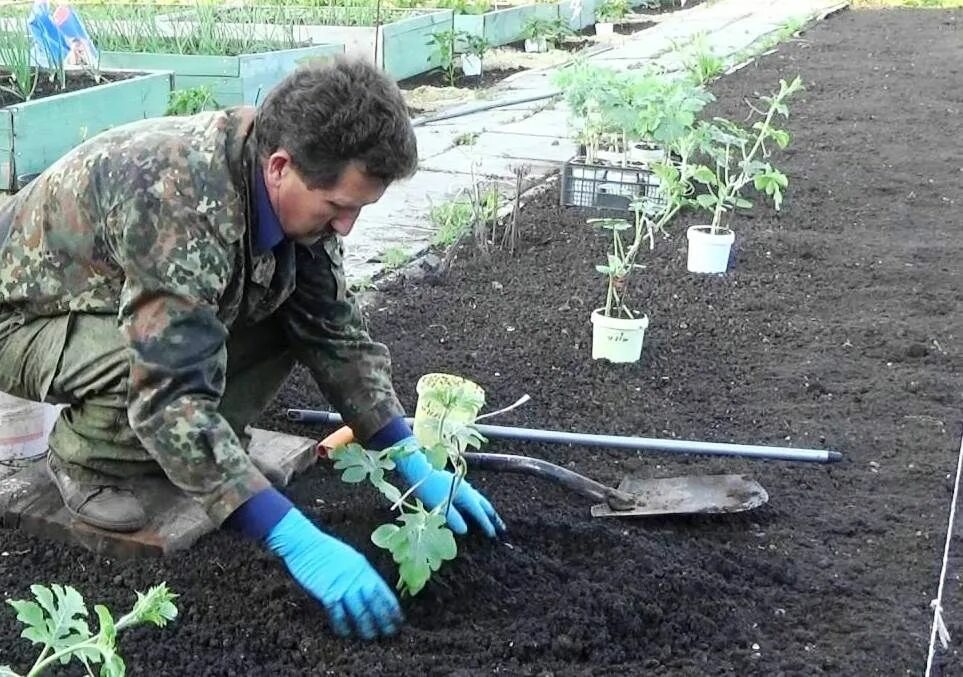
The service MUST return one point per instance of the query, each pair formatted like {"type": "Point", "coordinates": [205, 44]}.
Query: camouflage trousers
{"type": "Point", "coordinates": [80, 360]}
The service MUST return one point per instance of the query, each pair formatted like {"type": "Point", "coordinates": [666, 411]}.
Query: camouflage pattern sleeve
{"type": "Point", "coordinates": [177, 262]}
{"type": "Point", "coordinates": [326, 331]}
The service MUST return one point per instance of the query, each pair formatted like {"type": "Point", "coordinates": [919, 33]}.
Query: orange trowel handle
{"type": "Point", "coordinates": [343, 435]}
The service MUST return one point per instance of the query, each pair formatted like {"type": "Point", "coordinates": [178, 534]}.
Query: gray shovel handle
{"type": "Point", "coordinates": [525, 465]}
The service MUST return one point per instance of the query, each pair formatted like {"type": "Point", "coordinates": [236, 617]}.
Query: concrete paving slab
{"type": "Point", "coordinates": [552, 123]}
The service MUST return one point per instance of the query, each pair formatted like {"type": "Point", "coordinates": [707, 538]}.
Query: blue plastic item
{"type": "Point", "coordinates": [59, 36]}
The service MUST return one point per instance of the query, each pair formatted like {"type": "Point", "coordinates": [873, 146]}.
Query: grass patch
{"type": "Point", "coordinates": [453, 219]}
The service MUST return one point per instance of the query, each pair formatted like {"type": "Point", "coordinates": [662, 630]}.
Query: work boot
{"type": "Point", "coordinates": [104, 504]}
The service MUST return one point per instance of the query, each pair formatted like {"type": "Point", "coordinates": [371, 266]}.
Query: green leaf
{"type": "Point", "coordinates": [419, 547]}
{"type": "Point", "coordinates": [107, 637]}
{"type": "Point", "coordinates": [780, 136]}
{"type": "Point", "coordinates": [156, 606]}
{"type": "Point", "coordinates": [384, 535]}
{"type": "Point", "coordinates": [610, 224]}
{"type": "Point", "coordinates": [60, 621]}
{"type": "Point", "coordinates": [743, 203]}
{"type": "Point", "coordinates": [389, 491]}
{"type": "Point", "coordinates": [358, 463]}
{"type": "Point", "coordinates": [437, 455]}
{"type": "Point", "coordinates": [704, 175]}
{"type": "Point", "coordinates": [707, 200]}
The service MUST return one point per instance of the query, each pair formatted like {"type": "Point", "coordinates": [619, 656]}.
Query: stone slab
{"type": "Point", "coordinates": [30, 502]}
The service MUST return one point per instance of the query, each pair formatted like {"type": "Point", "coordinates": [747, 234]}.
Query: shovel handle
{"type": "Point", "coordinates": [343, 435]}
{"type": "Point", "coordinates": [525, 465]}
{"type": "Point", "coordinates": [522, 465]}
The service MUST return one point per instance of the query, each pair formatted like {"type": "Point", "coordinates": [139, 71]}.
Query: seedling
{"type": "Point", "coordinates": [394, 257]}
{"type": "Point", "coordinates": [452, 219]}
{"type": "Point", "coordinates": [553, 31]}
{"type": "Point", "coordinates": [612, 11]}
{"type": "Point", "coordinates": [419, 540]}
{"type": "Point", "coordinates": [701, 62]}
{"type": "Point", "coordinates": [616, 110]}
{"type": "Point", "coordinates": [734, 151]}
{"type": "Point", "coordinates": [444, 44]}
{"type": "Point", "coordinates": [676, 174]}
{"type": "Point", "coordinates": [57, 621]}
{"type": "Point", "coordinates": [17, 63]}
{"type": "Point", "coordinates": [191, 100]}
{"type": "Point", "coordinates": [472, 46]}
{"type": "Point", "coordinates": [466, 139]}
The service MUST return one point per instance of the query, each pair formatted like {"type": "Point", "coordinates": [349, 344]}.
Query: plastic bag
{"type": "Point", "coordinates": [60, 37]}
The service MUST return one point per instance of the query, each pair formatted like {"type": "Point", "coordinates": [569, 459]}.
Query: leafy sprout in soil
{"type": "Point", "coordinates": [57, 622]}
{"type": "Point", "coordinates": [191, 100]}
{"type": "Point", "coordinates": [734, 150]}
{"type": "Point", "coordinates": [419, 540]}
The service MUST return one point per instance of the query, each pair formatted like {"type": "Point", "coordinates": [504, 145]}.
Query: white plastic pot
{"type": "Point", "coordinates": [536, 45]}
{"type": "Point", "coordinates": [24, 427]}
{"type": "Point", "coordinates": [471, 64]}
{"type": "Point", "coordinates": [617, 339]}
{"type": "Point", "coordinates": [708, 251]}
{"type": "Point", "coordinates": [604, 29]}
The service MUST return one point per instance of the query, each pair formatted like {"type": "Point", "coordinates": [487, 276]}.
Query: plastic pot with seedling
{"type": "Point", "coordinates": [419, 540]}
{"type": "Point", "coordinates": [475, 47]}
{"type": "Point", "coordinates": [609, 13]}
{"type": "Point", "coordinates": [739, 156]}
{"type": "Point", "coordinates": [617, 330]}
{"type": "Point", "coordinates": [541, 34]}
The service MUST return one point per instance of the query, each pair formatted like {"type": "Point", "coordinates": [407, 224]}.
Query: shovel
{"type": "Point", "coordinates": [634, 496]}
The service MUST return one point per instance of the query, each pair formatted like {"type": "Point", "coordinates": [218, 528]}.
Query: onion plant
{"type": "Point", "coordinates": [17, 70]}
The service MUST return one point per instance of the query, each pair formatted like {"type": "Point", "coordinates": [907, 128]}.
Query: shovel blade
{"type": "Point", "coordinates": [699, 494]}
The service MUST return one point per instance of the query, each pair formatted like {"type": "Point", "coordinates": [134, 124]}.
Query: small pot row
{"type": "Point", "coordinates": [619, 339]}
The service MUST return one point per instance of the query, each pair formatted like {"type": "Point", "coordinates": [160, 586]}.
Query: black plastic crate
{"type": "Point", "coordinates": [607, 186]}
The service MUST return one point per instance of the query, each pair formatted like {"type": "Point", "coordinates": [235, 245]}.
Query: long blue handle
{"type": "Point", "coordinates": [635, 443]}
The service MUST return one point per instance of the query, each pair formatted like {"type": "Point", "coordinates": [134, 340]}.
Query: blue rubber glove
{"type": "Point", "coordinates": [435, 489]}
{"type": "Point", "coordinates": [338, 576]}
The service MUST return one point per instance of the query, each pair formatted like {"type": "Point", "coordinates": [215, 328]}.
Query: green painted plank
{"type": "Point", "coordinates": [473, 24]}
{"type": "Point", "coordinates": [226, 91]}
{"type": "Point", "coordinates": [504, 26]}
{"type": "Point", "coordinates": [406, 44]}
{"type": "Point", "coordinates": [46, 129]}
{"type": "Point", "coordinates": [181, 64]}
{"type": "Point", "coordinates": [8, 177]}
{"type": "Point", "coordinates": [547, 11]}
{"type": "Point", "coordinates": [260, 72]}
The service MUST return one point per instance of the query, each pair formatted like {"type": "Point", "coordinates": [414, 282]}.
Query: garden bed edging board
{"type": "Point", "coordinates": [506, 25]}
{"type": "Point", "coordinates": [403, 47]}
{"type": "Point", "coordinates": [35, 134]}
{"type": "Point", "coordinates": [234, 80]}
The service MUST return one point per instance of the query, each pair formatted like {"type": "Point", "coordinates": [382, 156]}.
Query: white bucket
{"type": "Point", "coordinates": [604, 29]}
{"type": "Point", "coordinates": [536, 45]}
{"type": "Point", "coordinates": [471, 64]}
{"type": "Point", "coordinates": [24, 427]}
{"type": "Point", "coordinates": [617, 339]}
{"type": "Point", "coordinates": [708, 252]}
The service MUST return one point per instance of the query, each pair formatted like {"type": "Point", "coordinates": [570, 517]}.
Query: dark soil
{"type": "Point", "coordinates": [438, 78]}
{"type": "Point", "coordinates": [74, 81]}
{"type": "Point", "coordinates": [631, 28]}
{"type": "Point", "coordinates": [837, 327]}
{"type": "Point", "coordinates": [667, 6]}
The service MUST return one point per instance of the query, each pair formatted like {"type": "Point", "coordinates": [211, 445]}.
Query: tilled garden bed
{"type": "Point", "coordinates": [838, 326]}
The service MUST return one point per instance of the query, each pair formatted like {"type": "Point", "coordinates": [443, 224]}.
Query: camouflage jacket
{"type": "Point", "coordinates": [152, 222]}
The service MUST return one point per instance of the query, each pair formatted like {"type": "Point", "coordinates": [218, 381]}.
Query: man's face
{"type": "Point", "coordinates": [307, 214]}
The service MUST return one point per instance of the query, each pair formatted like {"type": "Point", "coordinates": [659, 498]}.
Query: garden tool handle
{"type": "Point", "coordinates": [343, 435]}
{"type": "Point", "coordinates": [524, 465]}
{"type": "Point", "coordinates": [536, 467]}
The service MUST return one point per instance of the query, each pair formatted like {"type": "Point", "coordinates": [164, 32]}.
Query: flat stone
{"type": "Point", "coordinates": [30, 502]}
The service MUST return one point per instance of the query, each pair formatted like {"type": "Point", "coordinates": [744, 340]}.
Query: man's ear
{"type": "Point", "coordinates": [276, 166]}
